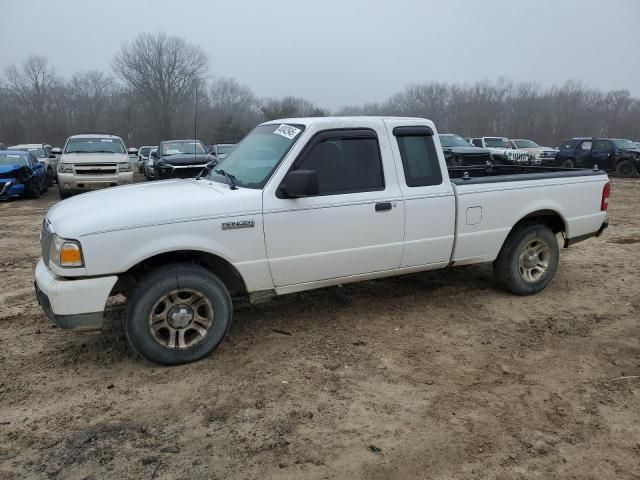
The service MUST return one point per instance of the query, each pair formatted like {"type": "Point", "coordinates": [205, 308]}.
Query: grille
{"type": "Point", "coordinates": [546, 154]}
{"type": "Point", "coordinates": [96, 169]}
{"type": "Point", "coordinates": [45, 241]}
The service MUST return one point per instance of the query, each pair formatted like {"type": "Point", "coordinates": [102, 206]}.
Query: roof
{"type": "Point", "coordinates": [29, 145]}
{"type": "Point", "coordinates": [312, 120]}
{"type": "Point", "coordinates": [94, 135]}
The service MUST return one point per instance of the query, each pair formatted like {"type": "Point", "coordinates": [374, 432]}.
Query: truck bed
{"type": "Point", "coordinates": [464, 175]}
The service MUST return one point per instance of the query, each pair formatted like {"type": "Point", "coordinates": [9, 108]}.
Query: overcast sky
{"type": "Point", "coordinates": [339, 52]}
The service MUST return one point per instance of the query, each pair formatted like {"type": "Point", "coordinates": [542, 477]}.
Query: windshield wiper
{"type": "Point", "coordinates": [230, 178]}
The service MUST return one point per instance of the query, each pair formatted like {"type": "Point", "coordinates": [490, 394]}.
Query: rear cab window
{"type": "Point", "coordinates": [419, 156]}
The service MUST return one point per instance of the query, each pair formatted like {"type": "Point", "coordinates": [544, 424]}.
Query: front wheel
{"type": "Point", "coordinates": [569, 163]}
{"type": "Point", "coordinates": [49, 177]}
{"type": "Point", "coordinates": [178, 314]}
{"type": "Point", "coordinates": [528, 259]}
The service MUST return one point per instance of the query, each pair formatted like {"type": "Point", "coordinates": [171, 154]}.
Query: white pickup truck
{"type": "Point", "coordinates": [302, 203]}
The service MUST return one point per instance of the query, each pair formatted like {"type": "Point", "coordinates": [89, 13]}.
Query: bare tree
{"type": "Point", "coordinates": [234, 110]}
{"type": "Point", "coordinates": [273, 108]}
{"type": "Point", "coordinates": [163, 70]}
{"type": "Point", "coordinates": [91, 94]}
{"type": "Point", "coordinates": [31, 86]}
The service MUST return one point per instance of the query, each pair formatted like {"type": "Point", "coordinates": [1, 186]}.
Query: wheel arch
{"type": "Point", "coordinates": [222, 268]}
{"type": "Point", "coordinates": [548, 217]}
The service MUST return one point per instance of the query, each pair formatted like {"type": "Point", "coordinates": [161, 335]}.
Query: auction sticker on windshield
{"type": "Point", "coordinates": [287, 131]}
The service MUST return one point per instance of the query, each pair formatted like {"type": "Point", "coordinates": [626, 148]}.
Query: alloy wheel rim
{"type": "Point", "coordinates": [534, 260]}
{"type": "Point", "coordinates": [181, 319]}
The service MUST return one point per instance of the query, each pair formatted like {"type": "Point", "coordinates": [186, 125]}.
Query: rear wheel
{"type": "Point", "coordinates": [178, 314]}
{"type": "Point", "coordinates": [625, 168]}
{"type": "Point", "coordinates": [528, 259]}
{"type": "Point", "coordinates": [569, 163]}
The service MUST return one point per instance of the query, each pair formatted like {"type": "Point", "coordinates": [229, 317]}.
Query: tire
{"type": "Point", "coordinates": [625, 168]}
{"type": "Point", "coordinates": [518, 268]}
{"type": "Point", "coordinates": [569, 163]}
{"type": "Point", "coordinates": [180, 333]}
{"type": "Point", "coordinates": [34, 192]}
{"type": "Point", "coordinates": [62, 194]}
{"type": "Point", "coordinates": [49, 177]}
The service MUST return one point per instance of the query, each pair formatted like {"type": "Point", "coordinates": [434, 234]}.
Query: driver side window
{"type": "Point", "coordinates": [346, 162]}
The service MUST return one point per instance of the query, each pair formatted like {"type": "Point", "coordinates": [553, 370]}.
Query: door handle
{"type": "Point", "coordinates": [382, 206]}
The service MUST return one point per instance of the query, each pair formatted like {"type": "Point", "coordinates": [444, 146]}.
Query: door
{"type": "Point", "coordinates": [355, 225]}
{"type": "Point", "coordinates": [602, 154]}
{"type": "Point", "coordinates": [583, 154]}
{"type": "Point", "coordinates": [430, 205]}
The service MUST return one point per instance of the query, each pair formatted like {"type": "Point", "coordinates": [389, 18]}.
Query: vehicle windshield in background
{"type": "Point", "coordinates": [144, 151]}
{"type": "Point", "coordinates": [11, 159]}
{"type": "Point", "coordinates": [180, 148]}
{"type": "Point", "coordinates": [254, 159]}
{"type": "Point", "coordinates": [495, 143]}
{"type": "Point", "coordinates": [225, 150]}
{"type": "Point", "coordinates": [453, 141]}
{"type": "Point", "coordinates": [625, 144]}
{"type": "Point", "coordinates": [38, 152]}
{"type": "Point", "coordinates": [94, 145]}
{"type": "Point", "coordinates": [526, 144]}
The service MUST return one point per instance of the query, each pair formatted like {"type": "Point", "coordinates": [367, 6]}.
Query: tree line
{"type": "Point", "coordinates": [159, 87]}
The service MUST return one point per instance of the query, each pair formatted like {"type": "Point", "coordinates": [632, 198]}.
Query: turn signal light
{"type": "Point", "coordinates": [70, 255]}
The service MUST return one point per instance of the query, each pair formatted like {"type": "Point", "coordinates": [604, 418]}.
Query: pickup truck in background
{"type": "Point", "coordinates": [609, 154]}
{"type": "Point", "coordinates": [179, 159]}
{"type": "Point", "coordinates": [540, 155]}
{"type": "Point", "coordinates": [93, 161]}
{"type": "Point", "coordinates": [501, 151]}
{"type": "Point", "coordinates": [457, 151]}
{"type": "Point", "coordinates": [302, 203]}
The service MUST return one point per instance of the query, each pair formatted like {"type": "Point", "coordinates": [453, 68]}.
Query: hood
{"type": "Point", "coordinates": [146, 204]}
{"type": "Point", "coordinates": [631, 150]}
{"type": "Point", "coordinates": [470, 150]}
{"type": "Point", "coordinates": [15, 170]}
{"type": "Point", "coordinates": [187, 159]}
{"type": "Point", "coordinates": [79, 158]}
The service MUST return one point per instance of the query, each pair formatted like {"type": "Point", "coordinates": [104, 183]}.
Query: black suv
{"type": "Point", "coordinates": [609, 154]}
{"type": "Point", "coordinates": [180, 159]}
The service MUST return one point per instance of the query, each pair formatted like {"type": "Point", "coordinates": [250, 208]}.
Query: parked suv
{"type": "Point", "coordinates": [93, 161]}
{"type": "Point", "coordinates": [143, 156]}
{"type": "Point", "coordinates": [501, 152]}
{"type": "Point", "coordinates": [609, 154]}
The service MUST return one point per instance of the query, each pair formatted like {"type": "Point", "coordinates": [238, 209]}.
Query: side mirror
{"type": "Point", "coordinates": [56, 151]}
{"type": "Point", "coordinates": [154, 154]}
{"type": "Point", "coordinates": [300, 183]}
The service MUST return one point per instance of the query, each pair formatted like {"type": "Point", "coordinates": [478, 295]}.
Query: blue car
{"type": "Point", "coordinates": [21, 175]}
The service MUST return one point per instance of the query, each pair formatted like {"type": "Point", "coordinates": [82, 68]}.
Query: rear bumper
{"type": "Point", "coordinates": [572, 241]}
{"type": "Point", "coordinates": [72, 304]}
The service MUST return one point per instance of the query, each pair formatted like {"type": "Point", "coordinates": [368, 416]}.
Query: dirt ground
{"type": "Point", "coordinates": [438, 375]}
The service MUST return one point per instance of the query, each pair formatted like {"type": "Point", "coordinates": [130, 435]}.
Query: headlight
{"type": "Point", "coordinates": [65, 253]}
{"type": "Point", "coordinates": [124, 167]}
{"type": "Point", "coordinates": [65, 168]}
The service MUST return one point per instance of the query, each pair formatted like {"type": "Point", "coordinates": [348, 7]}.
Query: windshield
{"type": "Point", "coordinates": [254, 159]}
{"type": "Point", "coordinates": [144, 151]}
{"type": "Point", "coordinates": [625, 144]}
{"type": "Point", "coordinates": [526, 144]}
{"type": "Point", "coordinates": [185, 147]}
{"type": "Point", "coordinates": [453, 141]}
{"type": "Point", "coordinates": [495, 142]}
{"type": "Point", "coordinates": [224, 149]}
{"type": "Point", "coordinates": [37, 151]}
{"type": "Point", "coordinates": [13, 159]}
{"type": "Point", "coordinates": [94, 145]}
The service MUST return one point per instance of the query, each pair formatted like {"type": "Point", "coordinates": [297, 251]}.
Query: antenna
{"type": "Point", "coordinates": [195, 124]}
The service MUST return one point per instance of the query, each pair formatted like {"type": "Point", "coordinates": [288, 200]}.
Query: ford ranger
{"type": "Point", "coordinates": [302, 203]}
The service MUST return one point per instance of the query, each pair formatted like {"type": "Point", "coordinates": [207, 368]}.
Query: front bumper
{"type": "Point", "coordinates": [72, 304]}
{"type": "Point", "coordinates": [69, 182]}
{"type": "Point", "coordinates": [11, 189]}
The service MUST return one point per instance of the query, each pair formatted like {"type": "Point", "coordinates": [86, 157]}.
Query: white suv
{"type": "Point", "coordinates": [93, 161]}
